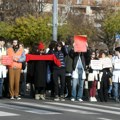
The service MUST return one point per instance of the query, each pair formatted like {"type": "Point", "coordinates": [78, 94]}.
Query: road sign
{"type": "Point", "coordinates": [117, 37]}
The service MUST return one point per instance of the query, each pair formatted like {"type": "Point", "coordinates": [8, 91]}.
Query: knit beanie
{"type": "Point", "coordinates": [41, 46]}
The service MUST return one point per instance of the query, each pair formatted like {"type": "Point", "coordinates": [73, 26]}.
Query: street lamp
{"type": "Point", "coordinates": [55, 19]}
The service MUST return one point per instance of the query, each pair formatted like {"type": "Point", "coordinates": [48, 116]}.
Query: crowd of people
{"type": "Point", "coordinates": [73, 76]}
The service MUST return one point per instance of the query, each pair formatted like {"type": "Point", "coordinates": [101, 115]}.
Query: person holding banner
{"type": "Point", "coordinates": [40, 73]}
{"type": "Point", "coordinates": [78, 74]}
{"type": "Point", "coordinates": [104, 76]}
{"type": "Point", "coordinates": [92, 77]}
{"type": "Point", "coordinates": [3, 69]}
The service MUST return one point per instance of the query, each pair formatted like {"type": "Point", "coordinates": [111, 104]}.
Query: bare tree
{"type": "Point", "coordinates": [11, 9]}
{"type": "Point", "coordinates": [65, 10]}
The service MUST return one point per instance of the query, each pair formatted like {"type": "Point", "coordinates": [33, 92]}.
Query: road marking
{"type": "Point", "coordinates": [29, 109]}
{"type": "Point", "coordinates": [85, 108]}
{"type": "Point", "coordinates": [57, 108]}
{"type": "Point", "coordinates": [104, 119]}
{"type": "Point", "coordinates": [102, 106]}
{"type": "Point", "coordinates": [41, 112]}
{"type": "Point", "coordinates": [7, 114]}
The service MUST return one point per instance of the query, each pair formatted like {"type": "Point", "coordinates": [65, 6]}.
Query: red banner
{"type": "Point", "coordinates": [80, 43]}
{"type": "Point", "coordinates": [43, 57]}
{"type": "Point", "coordinates": [6, 60]}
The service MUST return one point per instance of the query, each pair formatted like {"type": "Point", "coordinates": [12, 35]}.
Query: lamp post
{"type": "Point", "coordinates": [55, 19]}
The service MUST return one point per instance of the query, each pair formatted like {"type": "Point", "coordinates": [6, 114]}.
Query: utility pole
{"type": "Point", "coordinates": [55, 19]}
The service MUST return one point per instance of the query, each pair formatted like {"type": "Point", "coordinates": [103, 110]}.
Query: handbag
{"type": "Point", "coordinates": [84, 75]}
{"type": "Point", "coordinates": [90, 77]}
{"type": "Point", "coordinates": [75, 74]}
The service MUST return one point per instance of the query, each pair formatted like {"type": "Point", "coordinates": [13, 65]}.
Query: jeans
{"type": "Point", "coordinates": [77, 86]}
{"type": "Point", "coordinates": [115, 89]}
{"type": "Point", "coordinates": [23, 84]}
{"type": "Point", "coordinates": [1, 86]}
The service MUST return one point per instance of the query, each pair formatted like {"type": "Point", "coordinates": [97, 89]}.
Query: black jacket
{"type": "Point", "coordinates": [75, 57]}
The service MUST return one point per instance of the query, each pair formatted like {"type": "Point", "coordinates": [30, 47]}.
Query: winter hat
{"type": "Point", "coordinates": [41, 46]}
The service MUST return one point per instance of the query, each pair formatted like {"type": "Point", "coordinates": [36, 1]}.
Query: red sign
{"type": "Point", "coordinates": [6, 60]}
{"type": "Point", "coordinates": [80, 43]}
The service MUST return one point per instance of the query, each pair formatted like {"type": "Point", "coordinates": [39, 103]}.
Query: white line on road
{"type": "Point", "coordinates": [86, 108]}
{"type": "Point", "coordinates": [57, 108]}
{"type": "Point", "coordinates": [101, 106]}
{"type": "Point", "coordinates": [103, 119]}
{"type": "Point", "coordinates": [28, 109]}
{"type": "Point", "coordinates": [7, 114]}
{"type": "Point", "coordinates": [42, 112]}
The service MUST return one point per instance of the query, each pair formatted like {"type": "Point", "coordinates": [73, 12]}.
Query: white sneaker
{"type": "Point", "coordinates": [90, 99]}
{"type": "Point", "coordinates": [42, 97]}
{"type": "Point", "coordinates": [72, 99]}
{"type": "Point", "coordinates": [12, 98]}
{"type": "Point", "coordinates": [80, 100]}
{"type": "Point", "coordinates": [37, 96]}
{"type": "Point", "coordinates": [18, 98]}
{"type": "Point", "coordinates": [94, 99]}
{"type": "Point", "coordinates": [56, 99]}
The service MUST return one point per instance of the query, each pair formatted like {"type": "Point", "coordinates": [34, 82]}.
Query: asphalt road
{"type": "Point", "coordinates": [30, 109]}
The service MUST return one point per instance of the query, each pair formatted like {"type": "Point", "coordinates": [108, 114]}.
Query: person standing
{"type": "Point", "coordinates": [92, 79]}
{"type": "Point", "coordinates": [116, 74]}
{"type": "Point", "coordinates": [68, 68]}
{"type": "Point", "coordinates": [104, 76]}
{"type": "Point", "coordinates": [14, 70]}
{"type": "Point", "coordinates": [40, 73]}
{"type": "Point", "coordinates": [78, 80]}
{"type": "Point", "coordinates": [3, 69]}
{"type": "Point", "coordinates": [23, 71]}
{"type": "Point", "coordinates": [59, 74]}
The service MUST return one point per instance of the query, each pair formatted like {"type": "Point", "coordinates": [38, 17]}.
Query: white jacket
{"type": "Point", "coordinates": [3, 69]}
{"type": "Point", "coordinates": [116, 71]}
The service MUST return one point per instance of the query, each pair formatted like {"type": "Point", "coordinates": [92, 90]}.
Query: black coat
{"type": "Point", "coordinates": [40, 73]}
{"type": "Point", "coordinates": [75, 57]}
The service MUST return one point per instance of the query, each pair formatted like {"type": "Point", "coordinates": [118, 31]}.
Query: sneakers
{"type": "Point", "coordinates": [93, 99]}
{"type": "Point", "coordinates": [37, 96]}
{"type": "Point", "coordinates": [80, 100]}
{"type": "Point", "coordinates": [117, 100]}
{"type": "Point", "coordinates": [18, 98]}
{"type": "Point", "coordinates": [56, 99]}
{"type": "Point", "coordinates": [42, 97]}
{"type": "Point", "coordinates": [62, 98]}
{"type": "Point", "coordinates": [12, 98]}
{"type": "Point", "coordinates": [72, 99]}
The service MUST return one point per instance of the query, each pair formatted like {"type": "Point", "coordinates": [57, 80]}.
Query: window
{"type": "Point", "coordinates": [79, 1]}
